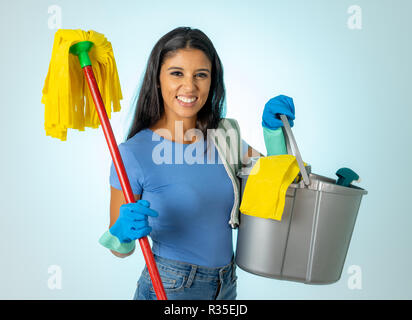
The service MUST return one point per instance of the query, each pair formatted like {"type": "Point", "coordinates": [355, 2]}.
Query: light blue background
{"type": "Point", "coordinates": [351, 90]}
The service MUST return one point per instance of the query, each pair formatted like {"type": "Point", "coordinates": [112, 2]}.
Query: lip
{"type": "Point", "coordinates": [186, 104]}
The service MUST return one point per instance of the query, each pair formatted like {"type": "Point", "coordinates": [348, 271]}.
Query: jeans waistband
{"type": "Point", "coordinates": [185, 268]}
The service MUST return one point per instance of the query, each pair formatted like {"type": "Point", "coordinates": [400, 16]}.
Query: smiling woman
{"type": "Point", "coordinates": [195, 202]}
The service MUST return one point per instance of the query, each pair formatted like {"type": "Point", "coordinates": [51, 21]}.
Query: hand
{"type": "Point", "coordinates": [132, 222]}
{"type": "Point", "coordinates": [278, 105]}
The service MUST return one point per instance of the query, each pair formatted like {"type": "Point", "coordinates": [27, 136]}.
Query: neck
{"type": "Point", "coordinates": [176, 129]}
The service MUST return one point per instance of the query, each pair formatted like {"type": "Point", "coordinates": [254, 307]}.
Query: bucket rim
{"type": "Point", "coordinates": [323, 184]}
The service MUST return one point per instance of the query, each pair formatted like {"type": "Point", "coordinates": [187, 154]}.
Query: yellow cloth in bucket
{"type": "Point", "coordinates": [265, 191]}
{"type": "Point", "coordinates": [66, 96]}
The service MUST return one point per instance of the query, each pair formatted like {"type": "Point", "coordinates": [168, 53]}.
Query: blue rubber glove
{"type": "Point", "coordinates": [278, 105]}
{"type": "Point", "coordinates": [132, 222]}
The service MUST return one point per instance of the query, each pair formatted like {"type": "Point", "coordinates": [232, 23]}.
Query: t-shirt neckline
{"type": "Point", "coordinates": [163, 138]}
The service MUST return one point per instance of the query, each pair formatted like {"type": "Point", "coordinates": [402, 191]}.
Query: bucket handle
{"type": "Point", "coordinates": [290, 140]}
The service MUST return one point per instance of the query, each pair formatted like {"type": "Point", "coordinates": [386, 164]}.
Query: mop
{"type": "Point", "coordinates": [68, 104]}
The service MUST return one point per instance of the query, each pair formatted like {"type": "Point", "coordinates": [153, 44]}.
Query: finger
{"type": "Point", "coordinates": [141, 232]}
{"type": "Point", "coordinates": [281, 102]}
{"type": "Point", "coordinates": [287, 113]}
{"type": "Point", "coordinates": [140, 207]}
{"type": "Point", "coordinates": [128, 206]}
{"type": "Point", "coordinates": [131, 216]}
{"type": "Point", "coordinates": [272, 123]}
{"type": "Point", "coordinates": [140, 203]}
{"type": "Point", "coordinates": [144, 203]}
{"type": "Point", "coordinates": [137, 225]}
{"type": "Point", "coordinates": [139, 214]}
{"type": "Point", "coordinates": [146, 211]}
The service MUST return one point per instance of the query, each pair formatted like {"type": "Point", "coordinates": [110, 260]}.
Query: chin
{"type": "Point", "coordinates": [189, 113]}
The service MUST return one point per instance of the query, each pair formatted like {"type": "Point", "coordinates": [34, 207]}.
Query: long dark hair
{"type": "Point", "coordinates": [149, 107]}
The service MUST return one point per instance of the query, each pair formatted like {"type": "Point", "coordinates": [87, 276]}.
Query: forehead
{"type": "Point", "coordinates": [187, 58]}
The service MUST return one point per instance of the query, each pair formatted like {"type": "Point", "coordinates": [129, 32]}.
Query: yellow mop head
{"type": "Point", "coordinates": [67, 99]}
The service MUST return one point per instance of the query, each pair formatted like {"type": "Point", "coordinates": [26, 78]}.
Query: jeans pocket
{"type": "Point", "coordinates": [143, 290]}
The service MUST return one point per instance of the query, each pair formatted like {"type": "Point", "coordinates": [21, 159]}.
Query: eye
{"type": "Point", "coordinates": [199, 75]}
{"type": "Point", "coordinates": [175, 73]}
{"type": "Point", "coordinates": [202, 75]}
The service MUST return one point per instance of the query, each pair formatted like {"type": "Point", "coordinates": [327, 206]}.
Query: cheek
{"type": "Point", "coordinates": [205, 90]}
{"type": "Point", "coordinates": [168, 91]}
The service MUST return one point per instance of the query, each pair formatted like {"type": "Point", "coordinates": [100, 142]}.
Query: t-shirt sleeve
{"type": "Point", "coordinates": [133, 171]}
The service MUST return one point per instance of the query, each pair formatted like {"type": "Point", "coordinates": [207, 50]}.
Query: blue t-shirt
{"type": "Point", "coordinates": [189, 187]}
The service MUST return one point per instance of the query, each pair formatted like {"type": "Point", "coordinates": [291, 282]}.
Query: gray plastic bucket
{"type": "Point", "coordinates": [311, 241]}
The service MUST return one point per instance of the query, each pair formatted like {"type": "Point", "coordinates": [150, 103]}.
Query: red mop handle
{"type": "Point", "coordinates": [124, 181]}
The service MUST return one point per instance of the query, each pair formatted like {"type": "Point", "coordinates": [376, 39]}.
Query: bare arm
{"type": "Point", "coordinates": [250, 154]}
{"type": "Point", "coordinates": [116, 200]}
{"type": "Point", "coordinates": [253, 153]}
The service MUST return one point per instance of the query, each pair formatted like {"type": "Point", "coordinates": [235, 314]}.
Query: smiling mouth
{"type": "Point", "coordinates": [186, 100]}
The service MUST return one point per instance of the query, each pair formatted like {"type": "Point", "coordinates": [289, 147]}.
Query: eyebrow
{"type": "Point", "coordinates": [203, 69]}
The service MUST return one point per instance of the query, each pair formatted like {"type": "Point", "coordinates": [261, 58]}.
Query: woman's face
{"type": "Point", "coordinates": [185, 81]}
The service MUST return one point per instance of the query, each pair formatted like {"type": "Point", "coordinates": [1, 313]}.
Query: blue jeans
{"type": "Point", "coordinates": [185, 281]}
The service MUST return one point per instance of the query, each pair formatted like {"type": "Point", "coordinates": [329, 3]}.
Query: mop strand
{"type": "Point", "coordinates": [67, 99]}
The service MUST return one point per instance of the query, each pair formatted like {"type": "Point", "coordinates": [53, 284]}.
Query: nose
{"type": "Point", "coordinates": [189, 84]}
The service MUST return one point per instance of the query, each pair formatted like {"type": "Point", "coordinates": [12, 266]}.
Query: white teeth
{"type": "Point", "coordinates": [186, 99]}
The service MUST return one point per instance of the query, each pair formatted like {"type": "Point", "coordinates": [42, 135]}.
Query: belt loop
{"type": "Point", "coordinates": [191, 276]}
{"type": "Point", "coordinates": [221, 274]}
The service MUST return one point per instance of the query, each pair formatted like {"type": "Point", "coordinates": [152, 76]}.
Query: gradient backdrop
{"type": "Point", "coordinates": [351, 89]}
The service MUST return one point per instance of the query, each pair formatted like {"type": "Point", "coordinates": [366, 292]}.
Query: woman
{"type": "Point", "coordinates": [183, 184]}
